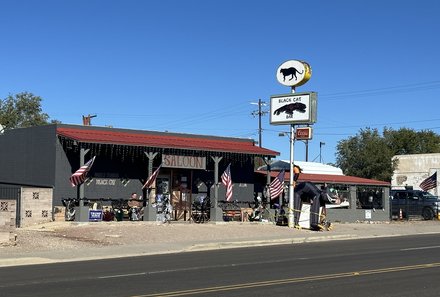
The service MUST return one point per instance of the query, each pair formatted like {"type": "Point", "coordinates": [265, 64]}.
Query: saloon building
{"type": "Point", "coordinates": [45, 157]}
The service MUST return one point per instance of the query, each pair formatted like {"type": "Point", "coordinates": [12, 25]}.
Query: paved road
{"type": "Point", "coordinates": [398, 266]}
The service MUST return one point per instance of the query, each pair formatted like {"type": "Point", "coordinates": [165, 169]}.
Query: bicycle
{"type": "Point", "coordinates": [200, 209]}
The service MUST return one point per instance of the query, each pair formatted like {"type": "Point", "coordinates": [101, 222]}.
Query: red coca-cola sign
{"type": "Point", "coordinates": [303, 133]}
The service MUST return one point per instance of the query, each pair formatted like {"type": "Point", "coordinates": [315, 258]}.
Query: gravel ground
{"type": "Point", "coordinates": [74, 236]}
{"type": "Point", "coordinates": [71, 235]}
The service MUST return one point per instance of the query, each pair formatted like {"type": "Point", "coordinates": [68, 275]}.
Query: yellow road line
{"type": "Point", "coordinates": [291, 280]}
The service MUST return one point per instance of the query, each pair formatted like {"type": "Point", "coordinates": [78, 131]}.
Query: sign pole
{"type": "Point", "coordinates": [297, 108]}
{"type": "Point", "coordinates": [290, 221]}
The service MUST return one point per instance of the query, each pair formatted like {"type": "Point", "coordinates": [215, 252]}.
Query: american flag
{"type": "Point", "coordinates": [429, 183]}
{"type": "Point", "coordinates": [227, 182]}
{"type": "Point", "coordinates": [276, 187]}
{"type": "Point", "coordinates": [152, 178]}
{"type": "Point", "coordinates": [80, 175]}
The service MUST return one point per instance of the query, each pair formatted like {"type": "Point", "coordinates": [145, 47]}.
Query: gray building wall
{"type": "Point", "coordinates": [27, 156]}
{"type": "Point", "coordinates": [354, 214]}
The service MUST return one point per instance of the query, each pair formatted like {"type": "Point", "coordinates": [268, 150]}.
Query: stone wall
{"type": "Point", "coordinates": [7, 221]}
{"type": "Point", "coordinates": [36, 206]}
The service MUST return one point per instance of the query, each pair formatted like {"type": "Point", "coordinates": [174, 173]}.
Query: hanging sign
{"type": "Point", "coordinates": [296, 108]}
{"type": "Point", "coordinates": [293, 73]}
{"type": "Point", "coordinates": [303, 133]}
{"type": "Point", "coordinates": [188, 162]}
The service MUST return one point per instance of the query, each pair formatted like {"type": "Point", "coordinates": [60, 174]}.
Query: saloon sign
{"type": "Point", "coordinates": [188, 162]}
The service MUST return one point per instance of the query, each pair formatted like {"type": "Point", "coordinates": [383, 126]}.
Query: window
{"type": "Point", "coordinates": [343, 193]}
{"type": "Point", "coordinates": [369, 198]}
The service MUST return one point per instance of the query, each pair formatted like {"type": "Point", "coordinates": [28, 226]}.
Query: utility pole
{"type": "Point", "coordinates": [260, 113]}
{"type": "Point", "coordinates": [320, 151]}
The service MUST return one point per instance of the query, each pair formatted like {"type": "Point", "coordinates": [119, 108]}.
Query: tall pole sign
{"type": "Point", "coordinates": [291, 109]}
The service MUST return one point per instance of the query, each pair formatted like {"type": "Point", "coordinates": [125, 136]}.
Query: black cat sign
{"type": "Point", "coordinates": [294, 73]}
{"type": "Point", "coordinates": [296, 108]}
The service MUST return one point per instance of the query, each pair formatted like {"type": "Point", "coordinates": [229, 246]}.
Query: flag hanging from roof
{"type": "Point", "coordinates": [276, 187]}
{"type": "Point", "coordinates": [152, 178]}
{"type": "Point", "coordinates": [227, 182]}
{"type": "Point", "coordinates": [80, 175]}
{"type": "Point", "coordinates": [429, 183]}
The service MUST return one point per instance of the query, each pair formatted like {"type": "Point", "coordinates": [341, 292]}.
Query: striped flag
{"type": "Point", "coordinates": [152, 178]}
{"type": "Point", "coordinates": [276, 187]}
{"type": "Point", "coordinates": [429, 183]}
{"type": "Point", "coordinates": [80, 175]}
{"type": "Point", "coordinates": [227, 182]}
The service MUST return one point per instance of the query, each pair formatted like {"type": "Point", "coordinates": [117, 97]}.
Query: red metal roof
{"type": "Point", "coordinates": [332, 179]}
{"type": "Point", "coordinates": [163, 140]}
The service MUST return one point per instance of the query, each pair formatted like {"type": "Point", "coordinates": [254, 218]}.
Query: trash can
{"type": "Point", "coordinates": [119, 214]}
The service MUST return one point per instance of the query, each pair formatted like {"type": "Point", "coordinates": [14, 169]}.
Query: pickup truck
{"type": "Point", "coordinates": [414, 203]}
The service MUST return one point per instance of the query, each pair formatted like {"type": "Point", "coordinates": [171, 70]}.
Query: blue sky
{"type": "Point", "coordinates": [196, 66]}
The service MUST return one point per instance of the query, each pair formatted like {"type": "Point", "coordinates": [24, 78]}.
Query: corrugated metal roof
{"type": "Point", "coordinates": [163, 140]}
{"type": "Point", "coordinates": [306, 167]}
{"type": "Point", "coordinates": [333, 179]}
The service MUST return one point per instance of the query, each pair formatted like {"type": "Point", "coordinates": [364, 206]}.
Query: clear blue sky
{"type": "Point", "coordinates": [196, 66]}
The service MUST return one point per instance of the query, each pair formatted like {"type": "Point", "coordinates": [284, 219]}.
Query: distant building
{"type": "Point", "coordinates": [412, 169]}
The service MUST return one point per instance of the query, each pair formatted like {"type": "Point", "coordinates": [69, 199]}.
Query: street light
{"type": "Point", "coordinates": [306, 142]}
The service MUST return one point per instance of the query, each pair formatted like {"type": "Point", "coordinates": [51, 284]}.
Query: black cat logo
{"type": "Point", "coordinates": [290, 108]}
{"type": "Point", "coordinates": [290, 71]}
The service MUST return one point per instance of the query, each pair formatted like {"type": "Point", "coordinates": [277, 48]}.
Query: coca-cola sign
{"type": "Point", "coordinates": [304, 133]}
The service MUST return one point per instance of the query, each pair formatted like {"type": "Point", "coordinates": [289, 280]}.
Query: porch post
{"type": "Point", "coordinates": [216, 214]}
{"type": "Point", "coordinates": [81, 212]}
{"type": "Point", "coordinates": [149, 211]}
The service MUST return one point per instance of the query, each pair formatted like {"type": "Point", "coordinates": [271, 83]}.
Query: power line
{"type": "Point", "coordinates": [380, 91]}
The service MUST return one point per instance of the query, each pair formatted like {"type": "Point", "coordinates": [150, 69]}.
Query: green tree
{"type": "Point", "coordinates": [368, 154]}
{"type": "Point", "coordinates": [365, 155]}
{"type": "Point", "coordinates": [407, 141]}
{"type": "Point", "coordinates": [22, 110]}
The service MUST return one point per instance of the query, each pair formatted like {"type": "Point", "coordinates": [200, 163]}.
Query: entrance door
{"type": "Point", "coordinates": [181, 195]}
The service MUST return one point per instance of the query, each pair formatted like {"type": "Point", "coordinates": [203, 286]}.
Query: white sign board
{"type": "Point", "coordinates": [296, 108]}
{"type": "Point", "coordinates": [368, 214]}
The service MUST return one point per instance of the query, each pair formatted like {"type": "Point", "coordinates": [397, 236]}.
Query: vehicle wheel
{"type": "Point", "coordinates": [197, 217]}
{"type": "Point", "coordinates": [427, 214]}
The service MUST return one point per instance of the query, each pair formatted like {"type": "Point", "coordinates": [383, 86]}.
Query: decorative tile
{"type": "Point", "coordinates": [3, 206]}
